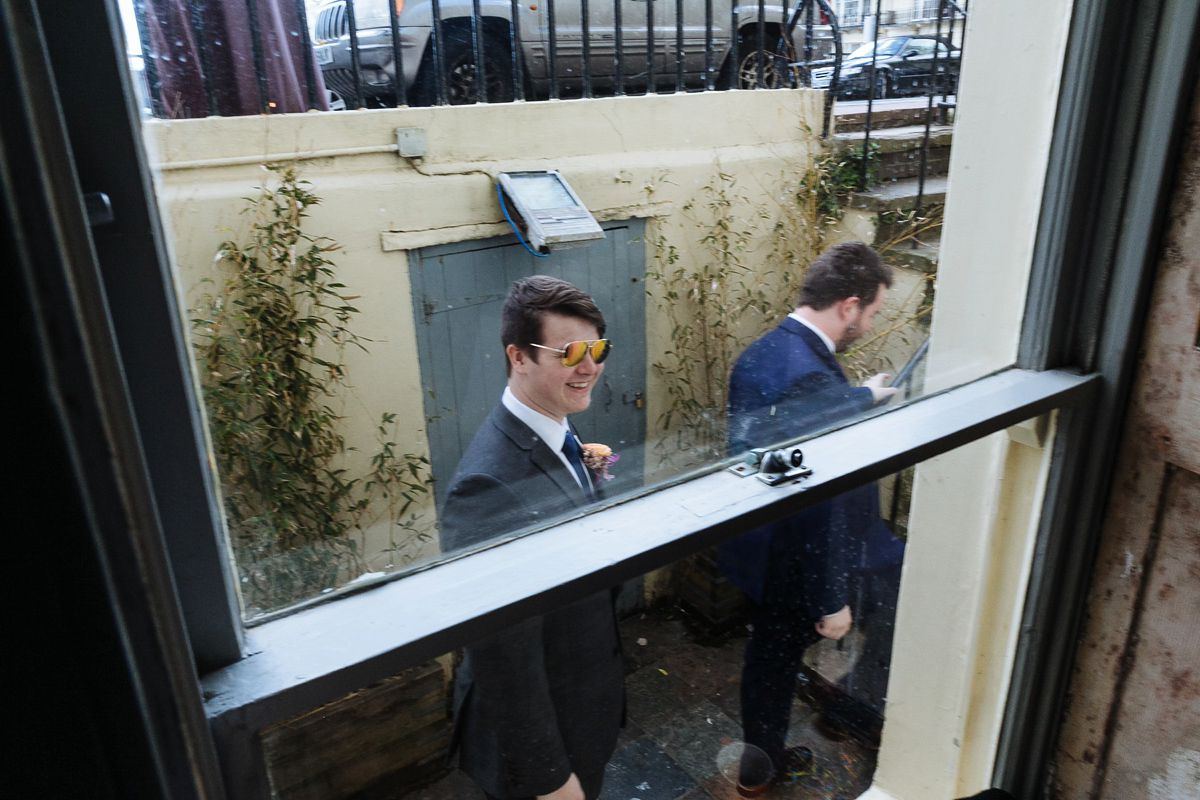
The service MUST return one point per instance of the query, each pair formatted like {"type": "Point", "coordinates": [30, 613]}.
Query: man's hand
{"type": "Point", "coordinates": [835, 626]}
{"type": "Point", "coordinates": [571, 790]}
{"type": "Point", "coordinates": [879, 392]}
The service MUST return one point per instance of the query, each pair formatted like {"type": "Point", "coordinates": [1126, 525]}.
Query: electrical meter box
{"type": "Point", "coordinates": [552, 214]}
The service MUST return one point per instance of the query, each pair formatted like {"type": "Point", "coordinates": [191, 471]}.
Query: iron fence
{"type": "Point", "coordinates": [947, 15]}
{"type": "Point", "coordinates": [379, 53]}
{"type": "Point", "coordinates": [490, 52]}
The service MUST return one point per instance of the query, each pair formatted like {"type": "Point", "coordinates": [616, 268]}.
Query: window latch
{"type": "Point", "coordinates": [773, 467]}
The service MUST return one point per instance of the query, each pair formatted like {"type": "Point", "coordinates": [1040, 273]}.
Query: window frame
{"type": "Point", "coordinates": [1073, 253]}
{"type": "Point", "coordinates": [1087, 305]}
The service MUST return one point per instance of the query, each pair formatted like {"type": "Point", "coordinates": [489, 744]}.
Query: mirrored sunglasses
{"type": "Point", "coordinates": [572, 353]}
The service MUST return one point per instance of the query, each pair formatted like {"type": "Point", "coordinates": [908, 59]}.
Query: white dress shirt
{"type": "Point", "coordinates": [551, 431]}
{"type": "Point", "coordinates": [824, 338]}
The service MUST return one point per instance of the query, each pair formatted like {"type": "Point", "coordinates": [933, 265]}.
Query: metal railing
{"type": "Point", "coordinates": [658, 57]}
{"type": "Point", "coordinates": [472, 51]}
{"type": "Point", "coordinates": [946, 15]}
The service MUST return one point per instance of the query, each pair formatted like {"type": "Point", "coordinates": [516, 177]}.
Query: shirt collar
{"type": "Point", "coordinates": [824, 338]}
{"type": "Point", "coordinates": [551, 431]}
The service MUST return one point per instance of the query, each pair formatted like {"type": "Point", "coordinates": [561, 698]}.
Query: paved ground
{"type": "Point", "coordinates": [683, 708]}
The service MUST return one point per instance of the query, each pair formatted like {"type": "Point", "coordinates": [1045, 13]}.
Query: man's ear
{"type": "Point", "coordinates": [847, 307]}
{"type": "Point", "coordinates": [517, 357]}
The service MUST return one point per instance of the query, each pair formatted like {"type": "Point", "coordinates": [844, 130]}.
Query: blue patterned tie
{"type": "Point", "coordinates": [574, 454]}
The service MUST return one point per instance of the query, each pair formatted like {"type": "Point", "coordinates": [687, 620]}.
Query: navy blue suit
{"type": "Point", "coordinates": [799, 569]}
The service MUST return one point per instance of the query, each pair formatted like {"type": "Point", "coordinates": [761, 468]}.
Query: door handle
{"type": "Point", "coordinates": [636, 399]}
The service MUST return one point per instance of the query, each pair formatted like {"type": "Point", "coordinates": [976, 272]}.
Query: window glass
{"type": "Point", "coordinates": [850, 12]}
{"type": "Point", "coordinates": [884, 47]}
{"type": "Point", "coordinates": [346, 288]}
{"type": "Point", "coordinates": [689, 686]}
{"type": "Point", "coordinates": [921, 46]}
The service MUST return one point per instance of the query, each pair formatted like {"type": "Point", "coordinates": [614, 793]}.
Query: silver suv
{"type": "Point", "coordinates": [331, 39]}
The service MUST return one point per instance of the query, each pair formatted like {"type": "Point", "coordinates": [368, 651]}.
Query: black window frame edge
{"type": "Point", "coordinates": [127, 658]}
{"type": "Point", "coordinates": [157, 654]}
{"type": "Point", "coordinates": [1127, 93]}
{"type": "Point", "coordinates": [145, 312]}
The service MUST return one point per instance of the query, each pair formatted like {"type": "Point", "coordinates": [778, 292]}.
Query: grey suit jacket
{"type": "Point", "coordinates": [543, 698]}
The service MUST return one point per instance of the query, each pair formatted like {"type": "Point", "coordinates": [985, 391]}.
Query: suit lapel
{"type": "Point", "coordinates": [552, 465]}
{"type": "Point", "coordinates": [539, 454]}
{"type": "Point", "coordinates": [815, 344]}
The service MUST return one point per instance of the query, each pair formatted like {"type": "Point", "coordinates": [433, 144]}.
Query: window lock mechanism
{"type": "Point", "coordinates": [773, 467]}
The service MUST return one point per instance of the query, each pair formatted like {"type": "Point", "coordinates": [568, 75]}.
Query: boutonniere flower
{"type": "Point", "coordinates": [598, 458]}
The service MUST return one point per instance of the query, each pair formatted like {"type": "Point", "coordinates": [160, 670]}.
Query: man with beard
{"type": "Point", "coordinates": [797, 572]}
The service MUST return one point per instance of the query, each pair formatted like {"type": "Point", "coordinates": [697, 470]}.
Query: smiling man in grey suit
{"type": "Point", "coordinates": [538, 705]}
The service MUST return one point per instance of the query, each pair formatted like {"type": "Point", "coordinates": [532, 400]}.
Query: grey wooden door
{"type": "Point", "coordinates": [458, 291]}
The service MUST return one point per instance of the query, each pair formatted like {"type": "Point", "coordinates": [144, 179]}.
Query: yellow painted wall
{"type": "Point", "coordinates": [649, 157]}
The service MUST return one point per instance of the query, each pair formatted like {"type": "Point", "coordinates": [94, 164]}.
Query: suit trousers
{"type": "Point", "coordinates": [875, 616]}
{"type": "Point", "coordinates": [781, 633]}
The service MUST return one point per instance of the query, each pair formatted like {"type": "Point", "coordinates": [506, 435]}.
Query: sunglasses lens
{"type": "Point", "coordinates": [573, 353]}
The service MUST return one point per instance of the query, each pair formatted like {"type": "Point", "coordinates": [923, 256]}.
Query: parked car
{"type": "Point", "coordinates": [904, 65]}
{"type": "Point", "coordinates": [331, 40]}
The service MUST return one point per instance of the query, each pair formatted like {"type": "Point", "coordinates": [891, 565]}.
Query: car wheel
{"type": "Point", "coordinates": [775, 71]}
{"type": "Point", "coordinates": [460, 74]}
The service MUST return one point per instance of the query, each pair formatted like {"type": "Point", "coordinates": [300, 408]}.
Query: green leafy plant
{"type": "Point", "coordinates": [744, 276]}
{"type": "Point", "coordinates": [837, 174]}
{"type": "Point", "coordinates": [751, 261]}
{"type": "Point", "coordinates": [270, 341]}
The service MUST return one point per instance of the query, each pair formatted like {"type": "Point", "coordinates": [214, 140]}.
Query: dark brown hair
{"type": "Point", "coordinates": [849, 269]}
{"type": "Point", "coordinates": [528, 303]}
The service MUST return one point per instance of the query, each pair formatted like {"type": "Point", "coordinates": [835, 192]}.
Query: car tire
{"type": "Point", "coordinates": [459, 79]}
{"type": "Point", "coordinates": [774, 71]}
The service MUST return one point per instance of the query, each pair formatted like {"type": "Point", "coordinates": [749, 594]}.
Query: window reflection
{"type": "Point", "coordinates": [822, 360]}
{"type": "Point", "coordinates": [407, 366]}
{"type": "Point", "coordinates": [661, 713]}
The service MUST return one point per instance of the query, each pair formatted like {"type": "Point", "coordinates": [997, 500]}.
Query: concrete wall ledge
{"type": "Point", "coordinates": [510, 131]}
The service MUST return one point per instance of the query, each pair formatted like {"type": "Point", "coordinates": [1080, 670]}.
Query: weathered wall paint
{"type": "Point", "coordinates": [1132, 725]}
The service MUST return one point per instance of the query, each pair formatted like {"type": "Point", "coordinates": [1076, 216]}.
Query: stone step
{"type": "Point", "coordinates": [882, 119]}
{"type": "Point", "coordinates": [901, 195]}
{"type": "Point", "coordinates": [923, 257]}
{"type": "Point", "coordinates": [888, 203]}
{"type": "Point", "coordinates": [907, 137]}
{"type": "Point", "coordinates": [851, 115]}
{"type": "Point", "coordinates": [900, 149]}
